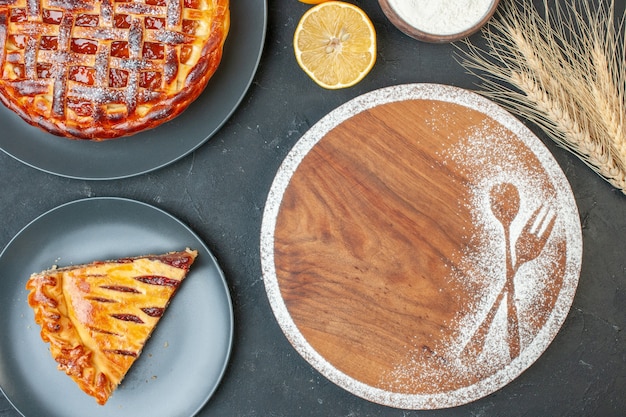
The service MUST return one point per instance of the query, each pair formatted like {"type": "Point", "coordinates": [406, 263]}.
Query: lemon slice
{"type": "Point", "coordinates": [335, 44]}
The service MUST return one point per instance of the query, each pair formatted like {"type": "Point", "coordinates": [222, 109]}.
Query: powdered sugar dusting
{"type": "Point", "coordinates": [171, 37]}
{"type": "Point", "coordinates": [139, 9]}
{"type": "Point", "coordinates": [487, 156]}
{"type": "Point", "coordinates": [489, 161]}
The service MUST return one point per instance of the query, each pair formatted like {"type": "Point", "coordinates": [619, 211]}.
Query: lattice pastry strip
{"type": "Point", "coordinates": [105, 69]}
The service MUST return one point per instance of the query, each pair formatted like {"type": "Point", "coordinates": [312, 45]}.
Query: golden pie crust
{"type": "Point", "coordinates": [97, 317]}
{"type": "Point", "coordinates": [104, 69]}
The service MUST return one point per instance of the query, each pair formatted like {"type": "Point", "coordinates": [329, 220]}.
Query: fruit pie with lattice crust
{"type": "Point", "coordinates": [102, 69]}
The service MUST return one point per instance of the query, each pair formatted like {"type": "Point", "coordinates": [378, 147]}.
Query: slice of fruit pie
{"type": "Point", "coordinates": [97, 317]}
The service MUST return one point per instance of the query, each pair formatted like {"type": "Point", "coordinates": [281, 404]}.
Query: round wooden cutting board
{"type": "Point", "coordinates": [420, 247]}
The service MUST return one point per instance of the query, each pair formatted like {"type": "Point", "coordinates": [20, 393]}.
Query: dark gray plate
{"type": "Point", "coordinates": [184, 360]}
{"type": "Point", "coordinates": [155, 148]}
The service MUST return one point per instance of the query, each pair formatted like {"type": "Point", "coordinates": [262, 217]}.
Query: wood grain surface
{"type": "Point", "coordinates": [377, 249]}
{"type": "Point", "coordinates": [364, 237]}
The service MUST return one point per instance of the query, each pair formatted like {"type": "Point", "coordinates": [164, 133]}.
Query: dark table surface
{"type": "Point", "coordinates": [220, 192]}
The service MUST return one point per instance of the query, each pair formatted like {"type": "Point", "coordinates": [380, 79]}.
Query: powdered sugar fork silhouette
{"type": "Point", "coordinates": [530, 243]}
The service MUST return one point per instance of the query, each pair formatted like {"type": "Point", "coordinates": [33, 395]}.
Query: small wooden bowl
{"type": "Point", "coordinates": [422, 35]}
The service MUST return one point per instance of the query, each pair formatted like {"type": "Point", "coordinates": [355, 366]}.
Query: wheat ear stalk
{"type": "Point", "coordinates": [563, 71]}
{"type": "Point", "coordinates": [568, 131]}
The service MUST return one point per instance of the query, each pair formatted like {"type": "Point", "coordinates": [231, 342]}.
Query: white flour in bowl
{"type": "Point", "coordinates": [442, 17]}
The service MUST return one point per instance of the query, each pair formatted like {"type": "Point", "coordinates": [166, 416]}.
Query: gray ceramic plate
{"type": "Point", "coordinates": [165, 144]}
{"type": "Point", "coordinates": [184, 360]}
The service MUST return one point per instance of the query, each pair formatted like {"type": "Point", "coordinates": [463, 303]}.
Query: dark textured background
{"type": "Point", "coordinates": [220, 192]}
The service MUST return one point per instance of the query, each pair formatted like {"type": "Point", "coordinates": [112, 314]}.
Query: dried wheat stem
{"type": "Point", "coordinates": [568, 73]}
{"type": "Point", "coordinates": [566, 95]}
{"type": "Point", "coordinates": [558, 98]}
{"type": "Point", "coordinates": [573, 135]}
{"type": "Point", "coordinates": [606, 62]}
{"type": "Point", "coordinates": [604, 92]}
{"type": "Point", "coordinates": [609, 106]}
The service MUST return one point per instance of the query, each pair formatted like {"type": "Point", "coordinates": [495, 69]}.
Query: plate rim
{"type": "Point", "coordinates": [212, 132]}
{"type": "Point", "coordinates": [229, 344]}
{"type": "Point", "coordinates": [287, 170]}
